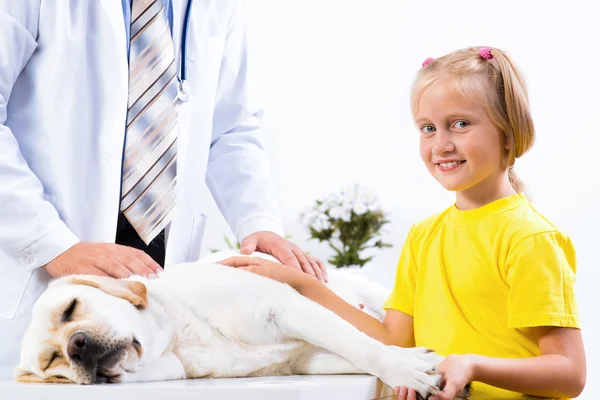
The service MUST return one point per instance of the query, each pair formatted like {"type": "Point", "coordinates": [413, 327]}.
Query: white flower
{"type": "Point", "coordinates": [325, 224]}
{"type": "Point", "coordinates": [348, 189]}
{"type": "Point", "coordinates": [348, 198]}
{"type": "Point", "coordinates": [366, 198]}
{"type": "Point", "coordinates": [323, 207]}
{"type": "Point", "coordinates": [309, 216]}
{"type": "Point", "coordinates": [334, 200]}
{"type": "Point", "coordinates": [373, 207]}
{"type": "Point", "coordinates": [321, 223]}
{"type": "Point", "coordinates": [335, 212]}
{"type": "Point", "coordinates": [359, 208]}
{"type": "Point", "coordinates": [347, 214]}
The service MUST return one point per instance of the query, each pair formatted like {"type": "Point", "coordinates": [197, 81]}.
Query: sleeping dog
{"type": "Point", "coordinates": [205, 319]}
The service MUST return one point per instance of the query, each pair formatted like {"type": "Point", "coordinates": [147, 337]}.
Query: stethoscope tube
{"type": "Point", "coordinates": [182, 90]}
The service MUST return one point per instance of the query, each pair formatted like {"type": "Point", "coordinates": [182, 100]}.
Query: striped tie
{"type": "Point", "coordinates": [149, 165]}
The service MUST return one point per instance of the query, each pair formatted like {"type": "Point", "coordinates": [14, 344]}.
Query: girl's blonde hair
{"type": "Point", "coordinates": [488, 77]}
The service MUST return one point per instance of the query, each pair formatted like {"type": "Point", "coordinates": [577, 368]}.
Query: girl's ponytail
{"type": "Point", "coordinates": [519, 129]}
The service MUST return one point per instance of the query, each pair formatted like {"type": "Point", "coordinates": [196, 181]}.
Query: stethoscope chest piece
{"type": "Point", "coordinates": [183, 92]}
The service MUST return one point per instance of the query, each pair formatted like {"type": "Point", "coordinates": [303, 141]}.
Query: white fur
{"type": "Point", "coordinates": [207, 320]}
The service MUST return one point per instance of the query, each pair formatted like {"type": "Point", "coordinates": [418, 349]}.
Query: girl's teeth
{"type": "Point", "coordinates": [449, 164]}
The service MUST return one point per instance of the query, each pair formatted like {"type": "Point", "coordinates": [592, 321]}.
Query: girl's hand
{"type": "Point", "coordinates": [403, 393]}
{"type": "Point", "coordinates": [269, 269]}
{"type": "Point", "coordinates": [457, 372]}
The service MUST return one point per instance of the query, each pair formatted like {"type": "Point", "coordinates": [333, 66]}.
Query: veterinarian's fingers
{"type": "Point", "coordinates": [136, 261]}
{"type": "Point", "coordinates": [149, 261]}
{"type": "Point", "coordinates": [323, 268]}
{"type": "Point", "coordinates": [113, 268]}
{"type": "Point", "coordinates": [138, 268]}
{"type": "Point", "coordinates": [315, 266]}
{"type": "Point", "coordinates": [304, 263]}
{"type": "Point", "coordinates": [248, 245]}
{"type": "Point", "coordinates": [92, 270]}
{"type": "Point", "coordinates": [248, 249]}
{"type": "Point", "coordinates": [287, 257]}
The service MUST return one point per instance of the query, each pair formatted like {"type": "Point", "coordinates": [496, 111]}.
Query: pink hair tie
{"type": "Point", "coordinates": [427, 61]}
{"type": "Point", "coordinates": [486, 52]}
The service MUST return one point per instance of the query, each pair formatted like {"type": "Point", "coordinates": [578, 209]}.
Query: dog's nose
{"type": "Point", "coordinates": [78, 348]}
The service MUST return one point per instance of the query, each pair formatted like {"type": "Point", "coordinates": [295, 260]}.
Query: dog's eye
{"type": "Point", "coordinates": [68, 313]}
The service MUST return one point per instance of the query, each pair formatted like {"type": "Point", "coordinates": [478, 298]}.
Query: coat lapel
{"type": "Point", "coordinates": [114, 13]}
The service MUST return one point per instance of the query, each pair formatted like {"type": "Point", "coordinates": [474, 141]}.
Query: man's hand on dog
{"type": "Point", "coordinates": [285, 251]}
{"type": "Point", "coordinates": [269, 269]}
{"type": "Point", "coordinates": [105, 259]}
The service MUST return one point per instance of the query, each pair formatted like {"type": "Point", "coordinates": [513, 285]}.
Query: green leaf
{"type": "Point", "coordinates": [228, 242]}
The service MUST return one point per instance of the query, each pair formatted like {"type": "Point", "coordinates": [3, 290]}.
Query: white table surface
{"type": "Point", "coordinates": [346, 387]}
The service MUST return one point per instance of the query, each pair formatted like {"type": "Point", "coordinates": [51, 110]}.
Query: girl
{"type": "Point", "coordinates": [488, 282]}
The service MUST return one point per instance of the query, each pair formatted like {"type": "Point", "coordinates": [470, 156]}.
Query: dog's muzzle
{"type": "Point", "coordinates": [94, 360]}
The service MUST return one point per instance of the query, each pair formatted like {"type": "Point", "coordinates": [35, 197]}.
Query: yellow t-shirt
{"type": "Point", "coordinates": [476, 281]}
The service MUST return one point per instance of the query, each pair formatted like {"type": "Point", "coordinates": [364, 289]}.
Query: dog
{"type": "Point", "coordinates": [208, 320]}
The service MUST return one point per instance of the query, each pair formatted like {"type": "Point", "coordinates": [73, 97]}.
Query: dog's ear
{"type": "Point", "coordinates": [132, 291]}
{"type": "Point", "coordinates": [21, 375]}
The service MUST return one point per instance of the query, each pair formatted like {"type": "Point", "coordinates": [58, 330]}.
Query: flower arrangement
{"type": "Point", "coordinates": [350, 221]}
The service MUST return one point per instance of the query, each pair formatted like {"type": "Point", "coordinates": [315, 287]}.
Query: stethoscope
{"type": "Point", "coordinates": [183, 92]}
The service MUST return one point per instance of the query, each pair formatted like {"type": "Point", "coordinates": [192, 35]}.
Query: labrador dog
{"type": "Point", "coordinates": [207, 320]}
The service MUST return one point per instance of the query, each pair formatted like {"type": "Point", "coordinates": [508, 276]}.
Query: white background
{"type": "Point", "coordinates": [335, 78]}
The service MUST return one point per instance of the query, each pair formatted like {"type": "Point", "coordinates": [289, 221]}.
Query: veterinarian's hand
{"type": "Point", "coordinates": [405, 393]}
{"type": "Point", "coordinates": [269, 269]}
{"type": "Point", "coordinates": [285, 251]}
{"type": "Point", "coordinates": [457, 372]}
{"type": "Point", "coordinates": [106, 259]}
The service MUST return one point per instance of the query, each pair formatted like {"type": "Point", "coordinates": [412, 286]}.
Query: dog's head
{"type": "Point", "coordinates": [84, 329]}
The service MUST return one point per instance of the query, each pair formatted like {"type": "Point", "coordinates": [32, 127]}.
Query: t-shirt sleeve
{"type": "Point", "coordinates": [402, 297]}
{"type": "Point", "coordinates": [541, 274]}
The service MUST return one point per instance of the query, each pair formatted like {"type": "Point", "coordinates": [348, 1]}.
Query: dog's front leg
{"type": "Point", "coordinates": [302, 318]}
{"type": "Point", "coordinates": [165, 367]}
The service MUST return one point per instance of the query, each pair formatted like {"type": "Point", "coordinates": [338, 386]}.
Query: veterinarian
{"type": "Point", "coordinates": [118, 120]}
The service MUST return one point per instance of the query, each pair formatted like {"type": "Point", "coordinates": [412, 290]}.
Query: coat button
{"type": "Point", "coordinates": [108, 156]}
{"type": "Point", "coordinates": [27, 259]}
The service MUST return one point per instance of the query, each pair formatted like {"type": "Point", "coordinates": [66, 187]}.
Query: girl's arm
{"type": "Point", "coordinates": [396, 329]}
{"type": "Point", "coordinates": [560, 370]}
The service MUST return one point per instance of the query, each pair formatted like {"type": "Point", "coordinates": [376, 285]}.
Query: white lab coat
{"type": "Point", "coordinates": [63, 104]}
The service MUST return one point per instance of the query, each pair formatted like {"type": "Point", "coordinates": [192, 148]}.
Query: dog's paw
{"type": "Point", "coordinates": [414, 370]}
{"type": "Point", "coordinates": [422, 353]}
{"type": "Point", "coordinates": [430, 356]}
